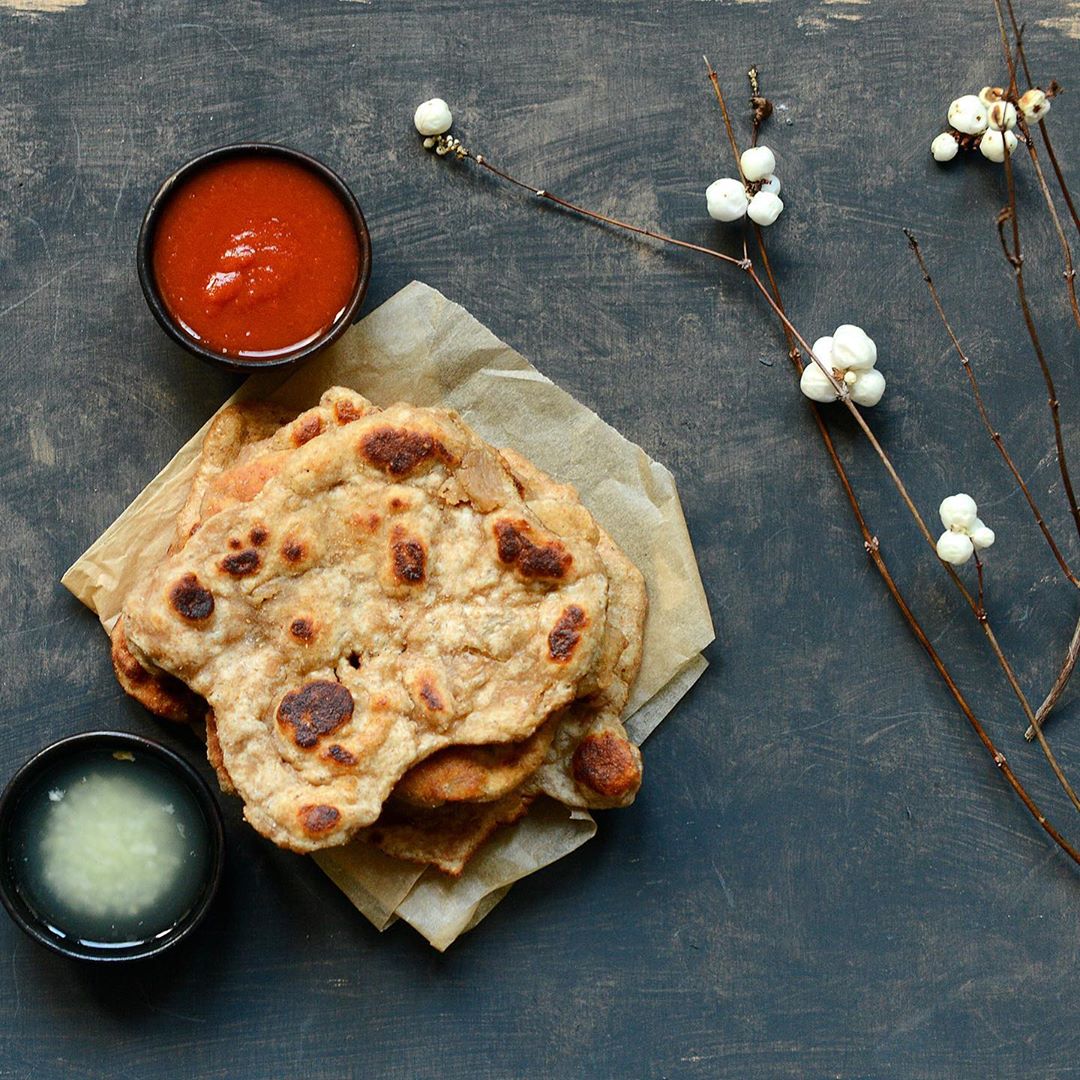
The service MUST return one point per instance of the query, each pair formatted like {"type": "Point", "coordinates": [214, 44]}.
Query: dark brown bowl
{"type": "Point", "coordinates": [153, 296]}
{"type": "Point", "coordinates": [35, 924]}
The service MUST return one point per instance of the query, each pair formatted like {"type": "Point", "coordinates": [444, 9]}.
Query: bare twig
{"type": "Point", "coordinates": [984, 415]}
{"type": "Point", "coordinates": [981, 613]}
{"type": "Point", "coordinates": [1069, 273]}
{"type": "Point", "coordinates": [747, 267]}
{"type": "Point", "coordinates": [1072, 654]}
{"type": "Point", "coordinates": [1043, 131]}
{"type": "Point", "coordinates": [1015, 258]}
{"type": "Point", "coordinates": [873, 550]}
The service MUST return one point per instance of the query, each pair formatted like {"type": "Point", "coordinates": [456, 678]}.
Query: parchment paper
{"type": "Point", "coordinates": [420, 347]}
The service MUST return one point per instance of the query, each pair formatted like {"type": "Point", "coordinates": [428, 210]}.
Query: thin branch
{"type": "Point", "coordinates": [976, 605]}
{"type": "Point", "coordinates": [1015, 259]}
{"type": "Point", "coordinates": [540, 193]}
{"type": "Point", "coordinates": [984, 415]}
{"type": "Point", "coordinates": [1014, 96]}
{"type": "Point", "coordinates": [715, 80]}
{"type": "Point", "coordinates": [843, 396]}
{"type": "Point", "coordinates": [982, 593]}
{"type": "Point", "coordinates": [873, 550]}
{"type": "Point", "coordinates": [1019, 36]}
{"type": "Point", "coordinates": [1071, 657]}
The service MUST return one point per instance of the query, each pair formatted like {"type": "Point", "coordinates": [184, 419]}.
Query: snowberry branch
{"type": "Point", "coordinates": [984, 415]}
{"type": "Point", "coordinates": [433, 120]}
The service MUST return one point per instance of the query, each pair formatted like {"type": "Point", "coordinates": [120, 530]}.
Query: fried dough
{"type": "Point", "coordinates": [384, 592]}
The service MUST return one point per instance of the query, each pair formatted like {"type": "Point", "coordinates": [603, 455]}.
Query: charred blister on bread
{"type": "Point", "coordinates": [319, 819]}
{"type": "Point", "coordinates": [345, 412]}
{"type": "Point", "coordinates": [339, 755]}
{"type": "Point", "coordinates": [608, 764]}
{"type": "Point", "coordinates": [399, 451]}
{"type": "Point", "coordinates": [432, 697]}
{"type": "Point", "coordinates": [259, 535]}
{"type": "Point", "coordinates": [306, 427]}
{"type": "Point", "coordinates": [293, 551]}
{"type": "Point", "coordinates": [191, 599]}
{"type": "Point", "coordinates": [242, 563]}
{"type": "Point", "coordinates": [408, 557]}
{"type": "Point", "coordinates": [302, 629]}
{"type": "Point", "coordinates": [315, 710]}
{"type": "Point", "coordinates": [548, 561]}
{"type": "Point", "coordinates": [566, 634]}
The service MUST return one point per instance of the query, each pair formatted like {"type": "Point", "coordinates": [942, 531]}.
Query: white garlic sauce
{"type": "Point", "coordinates": [110, 847]}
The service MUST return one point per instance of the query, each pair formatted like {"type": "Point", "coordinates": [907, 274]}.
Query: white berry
{"type": "Point", "coordinates": [757, 162]}
{"type": "Point", "coordinates": [433, 117]}
{"type": "Point", "coordinates": [968, 114]}
{"type": "Point", "coordinates": [1001, 116]}
{"type": "Point", "coordinates": [726, 199]}
{"type": "Point", "coordinates": [959, 512]}
{"type": "Point", "coordinates": [1034, 104]}
{"type": "Point", "coordinates": [853, 349]}
{"type": "Point", "coordinates": [815, 384]}
{"type": "Point", "coordinates": [771, 184]}
{"type": "Point", "coordinates": [765, 208]}
{"type": "Point", "coordinates": [955, 548]}
{"type": "Point", "coordinates": [867, 387]}
{"type": "Point", "coordinates": [945, 147]}
{"type": "Point", "coordinates": [989, 94]}
{"type": "Point", "coordinates": [981, 536]}
{"type": "Point", "coordinates": [994, 145]}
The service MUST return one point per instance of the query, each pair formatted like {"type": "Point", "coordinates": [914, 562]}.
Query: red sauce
{"type": "Point", "coordinates": [255, 256]}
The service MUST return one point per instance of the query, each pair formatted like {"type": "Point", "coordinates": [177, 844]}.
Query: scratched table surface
{"type": "Point", "coordinates": [824, 875]}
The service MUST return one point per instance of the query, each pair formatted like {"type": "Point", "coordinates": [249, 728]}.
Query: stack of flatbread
{"type": "Point", "coordinates": [390, 629]}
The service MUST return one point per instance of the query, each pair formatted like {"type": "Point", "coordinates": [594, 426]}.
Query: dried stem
{"type": "Point", "coordinates": [981, 614]}
{"type": "Point", "coordinates": [873, 550]}
{"type": "Point", "coordinates": [715, 80]}
{"type": "Point", "coordinates": [747, 267]}
{"type": "Point", "coordinates": [1074, 648]}
{"type": "Point", "coordinates": [1019, 36]}
{"type": "Point", "coordinates": [1071, 657]}
{"type": "Point", "coordinates": [1069, 273]}
{"type": "Point", "coordinates": [976, 605]}
{"type": "Point", "coordinates": [1015, 258]}
{"type": "Point", "coordinates": [984, 415]}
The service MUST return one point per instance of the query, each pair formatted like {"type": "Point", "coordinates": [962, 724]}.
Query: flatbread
{"type": "Point", "coordinates": [591, 762]}
{"type": "Point", "coordinates": [397, 544]}
{"type": "Point", "coordinates": [445, 837]}
{"type": "Point", "coordinates": [481, 774]}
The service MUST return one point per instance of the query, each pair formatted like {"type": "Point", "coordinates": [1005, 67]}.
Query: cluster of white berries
{"type": "Point", "coordinates": [986, 120]}
{"type": "Point", "coordinates": [850, 354]}
{"type": "Point", "coordinates": [964, 533]}
{"type": "Point", "coordinates": [758, 198]}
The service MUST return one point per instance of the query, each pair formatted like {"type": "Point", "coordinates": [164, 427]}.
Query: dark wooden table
{"type": "Point", "coordinates": [824, 876]}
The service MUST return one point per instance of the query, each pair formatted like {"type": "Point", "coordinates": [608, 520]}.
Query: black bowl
{"type": "Point", "coordinates": [33, 923]}
{"type": "Point", "coordinates": [153, 296]}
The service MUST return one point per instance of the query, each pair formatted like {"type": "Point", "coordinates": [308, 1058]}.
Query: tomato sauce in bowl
{"type": "Point", "coordinates": [254, 255]}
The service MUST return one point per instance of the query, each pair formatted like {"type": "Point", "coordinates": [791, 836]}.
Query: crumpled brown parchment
{"type": "Point", "coordinates": [422, 348]}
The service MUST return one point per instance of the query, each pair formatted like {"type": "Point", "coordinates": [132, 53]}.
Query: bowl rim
{"type": "Point", "coordinates": [20, 911]}
{"type": "Point", "coordinates": [148, 229]}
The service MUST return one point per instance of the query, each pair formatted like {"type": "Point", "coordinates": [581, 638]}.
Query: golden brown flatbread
{"type": "Point", "coordinates": [398, 545]}
{"type": "Point", "coordinates": [445, 837]}
{"type": "Point", "coordinates": [159, 692]}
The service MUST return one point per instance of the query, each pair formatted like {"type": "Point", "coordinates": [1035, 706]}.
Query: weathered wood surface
{"type": "Point", "coordinates": [824, 876]}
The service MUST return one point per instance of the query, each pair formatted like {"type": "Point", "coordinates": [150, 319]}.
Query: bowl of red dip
{"type": "Point", "coordinates": [254, 256]}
